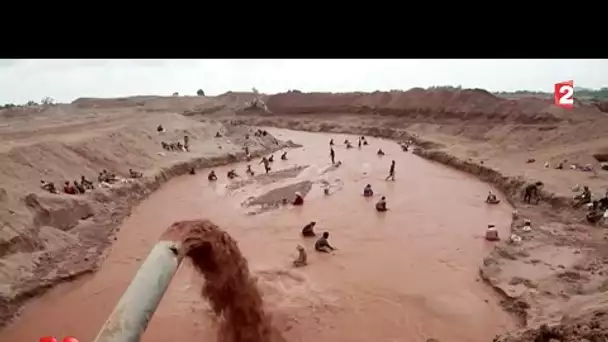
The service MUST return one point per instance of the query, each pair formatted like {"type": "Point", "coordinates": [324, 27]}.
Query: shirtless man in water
{"type": "Point", "coordinates": [322, 245]}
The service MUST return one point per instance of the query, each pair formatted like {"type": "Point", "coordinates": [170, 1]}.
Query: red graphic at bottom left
{"type": "Point", "coordinates": [53, 339]}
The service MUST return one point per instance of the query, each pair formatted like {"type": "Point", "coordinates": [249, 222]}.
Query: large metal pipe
{"type": "Point", "coordinates": [135, 308]}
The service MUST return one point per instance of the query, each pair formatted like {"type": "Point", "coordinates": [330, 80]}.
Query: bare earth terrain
{"type": "Point", "coordinates": [554, 280]}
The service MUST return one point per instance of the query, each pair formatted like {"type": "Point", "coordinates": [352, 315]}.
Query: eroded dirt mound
{"type": "Point", "coordinates": [229, 287]}
{"type": "Point", "coordinates": [444, 104]}
{"type": "Point", "coordinates": [227, 103]}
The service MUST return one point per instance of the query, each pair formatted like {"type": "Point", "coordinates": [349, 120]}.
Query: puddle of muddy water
{"type": "Point", "coordinates": [407, 274]}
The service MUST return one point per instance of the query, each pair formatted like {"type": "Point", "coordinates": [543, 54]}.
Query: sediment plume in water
{"type": "Point", "coordinates": [229, 287]}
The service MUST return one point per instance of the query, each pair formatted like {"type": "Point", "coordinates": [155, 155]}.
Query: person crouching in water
{"type": "Point", "coordinates": [302, 259]}
{"type": "Point", "coordinates": [492, 233]}
{"type": "Point", "coordinates": [249, 171]}
{"type": "Point", "coordinates": [212, 177]}
{"type": "Point", "coordinates": [491, 199]}
{"type": "Point", "coordinates": [367, 191]}
{"type": "Point", "coordinates": [299, 200]}
{"type": "Point", "coordinates": [231, 174]}
{"type": "Point", "coordinates": [322, 245]}
{"type": "Point", "coordinates": [380, 152]}
{"type": "Point", "coordinates": [381, 205]}
{"type": "Point", "coordinates": [284, 156]}
{"type": "Point", "coordinates": [309, 229]}
{"type": "Point", "coordinates": [271, 158]}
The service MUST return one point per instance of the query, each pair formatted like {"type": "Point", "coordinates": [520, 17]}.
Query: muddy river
{"type": "Point", "coordinates": [405, 275]}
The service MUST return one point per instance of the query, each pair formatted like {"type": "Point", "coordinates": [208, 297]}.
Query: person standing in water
{"type": "Point", "coordinates": [332, 154]}
{"type": "Point", "coordinates": [391, 171]}
{"type": "Point", "coordinates": [266, 164]}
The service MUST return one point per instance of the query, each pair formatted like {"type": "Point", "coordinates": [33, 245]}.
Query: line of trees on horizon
{"type": "Point", "coordinates": [46, 101]}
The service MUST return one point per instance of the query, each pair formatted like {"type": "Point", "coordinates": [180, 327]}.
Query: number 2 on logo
{"type": "Point", "coordinates": [564, 94]}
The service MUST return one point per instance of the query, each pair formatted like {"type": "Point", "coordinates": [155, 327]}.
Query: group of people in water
{"type": "Point", "coordinates": [83, 185]}
{"type": "Point", "coordinates": [322, 244]}
{"type": "Point", "coordinates": [231, 174]}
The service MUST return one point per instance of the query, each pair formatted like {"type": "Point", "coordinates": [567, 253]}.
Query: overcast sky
{"type": "Point", "coordinates": [66, 80]}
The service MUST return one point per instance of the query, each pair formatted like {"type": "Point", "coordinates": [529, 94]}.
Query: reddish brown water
{"type": "Point", "coordinates": [405, 275]}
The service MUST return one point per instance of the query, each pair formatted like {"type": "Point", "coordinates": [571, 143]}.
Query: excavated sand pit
{"type": "Point", "coordinates": [379, 284]}
{"type": "Point", "coordinates": [557, 272]}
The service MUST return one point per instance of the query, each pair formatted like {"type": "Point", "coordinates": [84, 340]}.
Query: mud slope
{"type": "Point", "coordinates": [46, 238]}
